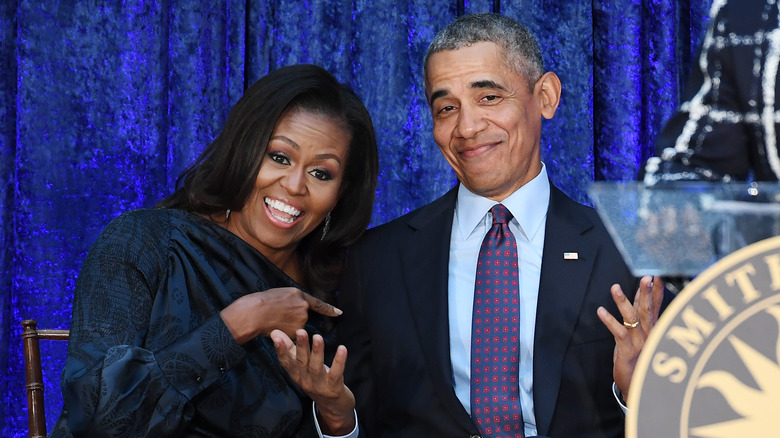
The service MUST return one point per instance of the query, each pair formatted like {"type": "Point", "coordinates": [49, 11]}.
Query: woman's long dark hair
{"type": "Point", "coordinates": [224, 175]}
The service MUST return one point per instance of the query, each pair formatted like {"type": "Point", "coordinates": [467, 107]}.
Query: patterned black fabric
{"type": "Point", "coordinates": [149, 354]}
{"type": "Point", "coordinates": [726, 128]}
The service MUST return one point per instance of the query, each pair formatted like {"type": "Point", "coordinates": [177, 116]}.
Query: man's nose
{"type": "Point", "coordinates": [470, 122]}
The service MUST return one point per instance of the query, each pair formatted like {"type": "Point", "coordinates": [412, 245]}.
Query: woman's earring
{"type": "Point", "coordinates": [326, 228]}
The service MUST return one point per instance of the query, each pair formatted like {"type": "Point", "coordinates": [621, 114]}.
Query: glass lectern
{"type": "Point", "coordinates": [679, 229]}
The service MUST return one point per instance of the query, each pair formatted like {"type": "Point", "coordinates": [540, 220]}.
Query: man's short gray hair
{"type": "Point", "coordinates": [520, 47]}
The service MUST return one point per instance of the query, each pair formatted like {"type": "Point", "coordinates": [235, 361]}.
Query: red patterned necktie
{"type": "Point", "coordinates": [495, 403]}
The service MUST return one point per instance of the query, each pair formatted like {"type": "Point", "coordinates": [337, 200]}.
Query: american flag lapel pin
{"type": "Point", "coordinates": [570, 256]}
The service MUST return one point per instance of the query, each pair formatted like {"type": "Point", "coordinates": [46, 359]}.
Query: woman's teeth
{"type": "Point", "coordinates": [284, 208]}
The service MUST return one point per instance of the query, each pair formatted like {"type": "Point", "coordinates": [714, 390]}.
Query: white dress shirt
{"type": "Point", "coordinates": [472, 221]}
{"type": "Point", "coordinates": [355, 432]}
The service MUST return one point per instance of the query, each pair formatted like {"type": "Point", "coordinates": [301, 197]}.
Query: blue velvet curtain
{"type": "Point", "coordinates": [103, 103]}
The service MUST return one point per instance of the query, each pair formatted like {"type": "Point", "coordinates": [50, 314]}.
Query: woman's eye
{"type": "Point", "coordinates": [279, 158]}
{"type": "Point", "coordinates": [322, 175]}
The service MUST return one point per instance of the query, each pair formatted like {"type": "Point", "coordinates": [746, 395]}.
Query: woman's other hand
{"type": "Point", "coordinates": [325, 385]}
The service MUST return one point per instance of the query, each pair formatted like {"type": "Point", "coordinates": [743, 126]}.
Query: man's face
{"type": "Point", "coordinates": [486, 121]}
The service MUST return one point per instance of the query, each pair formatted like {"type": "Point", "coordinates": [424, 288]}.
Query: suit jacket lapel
{"type": "Point", "coordinates": [426, 268]}
{"type": "Point", "coordinates": [562, 287]}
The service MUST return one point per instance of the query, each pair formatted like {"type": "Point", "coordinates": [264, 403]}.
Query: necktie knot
{"type": "Point", "coordinates": [501, 215]}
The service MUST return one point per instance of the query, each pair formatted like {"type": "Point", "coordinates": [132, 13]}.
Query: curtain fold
{"type": "Point", "coordinates": [103, 104]}
{"type": "Point", "coordinates": [7, 155]}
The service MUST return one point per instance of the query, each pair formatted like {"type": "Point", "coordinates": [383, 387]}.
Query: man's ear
{"type": "Point", "coordinates": [548, 90]}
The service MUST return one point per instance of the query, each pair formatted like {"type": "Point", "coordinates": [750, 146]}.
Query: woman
{"type": "Point", "coordinates": [174, 306]}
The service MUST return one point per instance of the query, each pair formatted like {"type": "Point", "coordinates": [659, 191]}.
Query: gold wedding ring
{"type": "Point", "coordinates": [630, 324]}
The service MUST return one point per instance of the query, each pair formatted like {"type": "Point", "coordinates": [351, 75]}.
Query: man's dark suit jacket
{"type": "Point", "coordinates": [395, 326]}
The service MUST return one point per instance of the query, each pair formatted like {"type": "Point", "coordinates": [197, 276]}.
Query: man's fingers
{"type": "Point", "coordinates": [625, 307]}
{"type": "Point", "coordinates": [658, 297]}
{"type": "Point", "coordinates": [613, 325]}
{"type": "Point", "coordinates": [644, 303]}
{"type": "Point", "coordinates": [320, 306]}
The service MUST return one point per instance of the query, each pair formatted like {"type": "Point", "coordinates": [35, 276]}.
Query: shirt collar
{"type": "Point", "coordinates": [528, 205]}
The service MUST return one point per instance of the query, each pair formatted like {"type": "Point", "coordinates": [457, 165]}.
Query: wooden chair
{"type": "Point", "coordinates": [32, 359]}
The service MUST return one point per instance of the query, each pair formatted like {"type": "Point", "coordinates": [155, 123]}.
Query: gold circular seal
{"type": "Point", "coordinates": [711, 366]}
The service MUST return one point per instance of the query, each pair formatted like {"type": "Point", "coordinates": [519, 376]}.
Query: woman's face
{"type": "Point", "coordinates": [299, 182]}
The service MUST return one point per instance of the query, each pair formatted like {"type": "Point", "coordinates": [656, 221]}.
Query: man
{"type": "Point", "coordinates": [414, 286]}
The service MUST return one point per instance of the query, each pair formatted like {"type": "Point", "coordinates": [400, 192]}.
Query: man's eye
{"type": "Point", "coordinates": [279, 158]}
{"type": "Point", "coordinates": [446, 109]}
{"type": "Point", "coordinates": [490, 98]}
